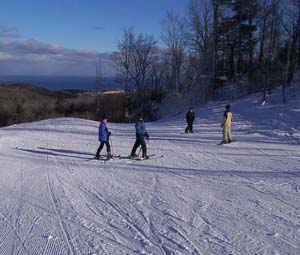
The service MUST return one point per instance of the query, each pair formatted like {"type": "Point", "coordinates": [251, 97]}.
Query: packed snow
{"type": "Point", "coordinates": [192, 197]}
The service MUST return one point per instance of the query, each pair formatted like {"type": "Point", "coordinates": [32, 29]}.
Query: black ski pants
{"type": "Point", "coordinates": [101, 147]}
{"type": "Point", "coordinates": [140, 141]}
{"type": "Point", "coordinates": [189, 127]}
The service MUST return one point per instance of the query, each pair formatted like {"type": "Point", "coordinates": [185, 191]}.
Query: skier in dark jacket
{"type": "Point", "coordinates": [141, 133]}
{"type": "Point", "coordinates": [104, 139]}
{"type": "Point", "coordinates": [190, 117]}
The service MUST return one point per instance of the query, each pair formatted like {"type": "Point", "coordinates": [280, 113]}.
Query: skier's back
{"type": "Point", "coordinates": [141, 133]}
{"type": "Point", "coordinates": [226, 124]}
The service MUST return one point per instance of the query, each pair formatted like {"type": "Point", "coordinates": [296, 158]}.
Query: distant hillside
{"type": "Point", "coordinates": [25, 103]}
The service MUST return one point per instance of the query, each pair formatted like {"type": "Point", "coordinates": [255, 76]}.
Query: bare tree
{"type": "Point", "coordinates": [173, 36]}
{"type": "Point", "coordinates": [99, 75]}
{"type": "Point", "coordinates": [134, 58]}
{"type": "Point", "coordinates": [201, 25]}
{"type": "Point", "coordinates": [291, 24]}
{"type": "Point", "coordinates": [142, 57]}
{"type": "Point", "coordinates": [200, 42]}
{"type": "Point", "coordinates": [216, 7]}
{"type": "Point", "coordinates": [123, 57]}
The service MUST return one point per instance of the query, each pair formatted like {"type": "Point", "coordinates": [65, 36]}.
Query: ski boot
{"type": "Point", "coordinates": [109, 156]}
{"type": "Point", "coordinates": [144, 157]}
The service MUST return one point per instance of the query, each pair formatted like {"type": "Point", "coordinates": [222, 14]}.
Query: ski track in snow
{"type": "Point", "coordinates": [199, 198]}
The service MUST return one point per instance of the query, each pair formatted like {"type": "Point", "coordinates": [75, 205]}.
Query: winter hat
{"type": "Point", "coordinates": [227, 106]}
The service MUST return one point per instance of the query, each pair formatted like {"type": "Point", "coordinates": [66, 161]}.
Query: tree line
{"type": "Point", "coordinates": [253, 45]}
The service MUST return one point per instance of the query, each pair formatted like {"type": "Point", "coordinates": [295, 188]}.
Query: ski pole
{"type": "Point", "coordinates": [139, 151]}
{"type": "Point", "coordinates": [111, 146]}
{"type": "Point", "coordinates": [147, 143]}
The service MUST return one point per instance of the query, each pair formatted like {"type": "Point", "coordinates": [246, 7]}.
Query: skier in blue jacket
{"type": "Point", "coordinates": [104, 139]}
{"type": "Point", "coordinates": [141, 133]}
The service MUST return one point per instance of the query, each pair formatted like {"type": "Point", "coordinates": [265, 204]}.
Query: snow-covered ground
{"type": "Point", "coordinates": [199, 198]}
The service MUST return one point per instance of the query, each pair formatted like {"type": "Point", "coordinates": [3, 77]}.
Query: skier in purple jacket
{"type": "Point", "coordinates": [104, 139]}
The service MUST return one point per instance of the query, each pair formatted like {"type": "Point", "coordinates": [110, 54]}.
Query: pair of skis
{"type": "Point", "coordinates": [104, 158]}
{"type": "Point", "coordinates": [151, 156]}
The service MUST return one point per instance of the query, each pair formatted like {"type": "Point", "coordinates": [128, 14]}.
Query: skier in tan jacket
{"type": "Point", "coordinates": [226, 125]}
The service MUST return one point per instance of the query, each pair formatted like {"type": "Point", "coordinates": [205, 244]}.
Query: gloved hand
{"type": "Point", "coordinates": [222, 125]}
{"type": "Point", "coordinates": [109, 133]}
{"type": "Point", "coordinates": [147, 136]}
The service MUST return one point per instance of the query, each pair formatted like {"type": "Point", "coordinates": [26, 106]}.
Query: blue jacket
{"type": "Point", "coordinates": [140, 128]}
{"type": "Point", "coordinates": [103, 132]}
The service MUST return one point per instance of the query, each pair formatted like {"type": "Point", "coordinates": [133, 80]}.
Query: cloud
{"type": "Point", "coordinates": [17, 57]}
{"type": "Point", "coordinates": [98, 28]}
{"type": "Point", "coordinates": [36, 48]}
{"type": "Point", "coordinates": [7, 32]}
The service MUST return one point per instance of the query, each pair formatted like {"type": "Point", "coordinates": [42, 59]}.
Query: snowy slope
{"type": "Point", "coordinates": [199, 198]}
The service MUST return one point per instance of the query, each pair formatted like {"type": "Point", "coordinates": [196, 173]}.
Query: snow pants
{"type": "Point", "coordinates": [189, 127]}
{"type": "Point", "coordinates": [140, 141]}
{"type": "Point", "coordinates": [101, 147]}
{"type": "Point", "coordinates": [226, 133]}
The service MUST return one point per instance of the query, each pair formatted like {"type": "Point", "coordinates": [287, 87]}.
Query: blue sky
{"type": "Point", "coordinates": [82, 28]}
